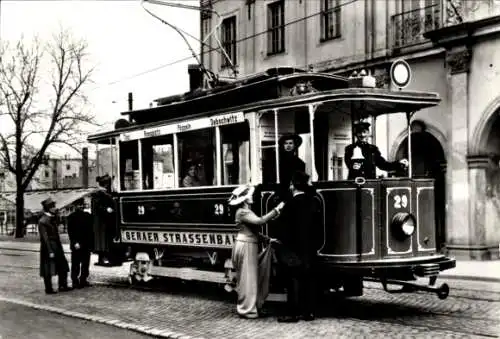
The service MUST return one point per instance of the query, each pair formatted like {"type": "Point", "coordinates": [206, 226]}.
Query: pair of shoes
{"type": "Point", "coordinates": [288, 319]}
{"type": "Point", "coordinates": [76, 284]}
{"type": "Point", "coordinates": [51, 291]}
{"type": "Point", "coordinates": [65, 289]}
{"type": "Point", "coordinates": [308, 317]}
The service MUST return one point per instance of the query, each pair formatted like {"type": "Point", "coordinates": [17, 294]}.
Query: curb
{"type": "Point", "coordinates": [28, 249]}
{"type": "Point", "coordinates": [469, 278]}
{"type": "Point", "coordinates": [155, 332]}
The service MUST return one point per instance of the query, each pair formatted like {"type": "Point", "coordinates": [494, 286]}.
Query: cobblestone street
{"type": "Point", "coordinates": [471, 310]}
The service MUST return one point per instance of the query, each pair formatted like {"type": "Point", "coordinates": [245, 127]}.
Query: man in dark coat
{"type": "Point", "coordinates": [52, 259]}
{"type": "Point", "coordinates": [299, 240]}
{"type": "Point", "coordinates": [103, 210]}
{"type": "Point", "coordinates": [80, 237]}
{"type": "Point", "coordinates": [289, 162]}
{"type": "Point", "coordinates": [363, 158]}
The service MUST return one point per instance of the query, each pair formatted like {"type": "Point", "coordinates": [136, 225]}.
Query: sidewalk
{"type": "Point", "coordinates": [465, 270]}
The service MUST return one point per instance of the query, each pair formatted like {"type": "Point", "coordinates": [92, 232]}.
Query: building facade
{"type": "Point", "coordinates": [453, 48]}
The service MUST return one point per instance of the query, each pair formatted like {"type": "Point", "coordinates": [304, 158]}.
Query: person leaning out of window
{"type": "Point", "coordinates": [252, 276]}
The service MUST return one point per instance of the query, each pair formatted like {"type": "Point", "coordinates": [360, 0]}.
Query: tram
{"type": "Point", "coordinates": [178, 162]}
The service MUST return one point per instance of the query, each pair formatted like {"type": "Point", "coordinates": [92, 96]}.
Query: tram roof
{"type": "Point", "coordinates": [365, 102]}
{"type": "Point", "coordinates": [271, 84]}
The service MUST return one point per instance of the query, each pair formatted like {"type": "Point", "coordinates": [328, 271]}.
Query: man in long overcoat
{"type": "Point", "coordinates": [52, 259]}
{"type": "Point", "coordinates": [298, 254]}
{"type": "Point", "coordinates": [80, 237]}
{"type": "Point", "coordinates": [103, 210]}
{"type": "Point", "coordinates": [363, 158]}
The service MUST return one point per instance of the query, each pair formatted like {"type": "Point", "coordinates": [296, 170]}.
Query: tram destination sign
{"type": "Point", "coordinates": [175, 238]}
{"type": "Point", "coordinates": [184, 126]}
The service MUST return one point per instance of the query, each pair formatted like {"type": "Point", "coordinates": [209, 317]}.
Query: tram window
{"type": "Point", "coordinates": [129, 165]}
{"type": "Point", "coordinates": [235, 153]}
{"type": "Point", "coordinates": [338, 168]}
{"type": "Point", "coordinates": [290, 121]}
{"type": "Point", "coordinates": [196, 155]}
{"type": "Point", "coordinates": [158, 163]}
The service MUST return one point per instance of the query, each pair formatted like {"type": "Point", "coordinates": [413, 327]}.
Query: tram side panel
{"type": "Point", "coordinates": [401, 197]}
{"type": "Point", "coordinates": [179, 228]}
{"type": "Point", "coordinates": [343, 239]}
{"type": "Point", "coordinates": [425, 237]}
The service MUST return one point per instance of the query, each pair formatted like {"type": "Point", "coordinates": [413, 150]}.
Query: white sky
{"type": "Point", "coordinates": [124, 40]}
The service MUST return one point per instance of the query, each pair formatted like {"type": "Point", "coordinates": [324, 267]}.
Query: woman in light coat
{"type": "Point", "coordinates": [252, 278]}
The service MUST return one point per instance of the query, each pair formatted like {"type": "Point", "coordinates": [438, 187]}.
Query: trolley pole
{"type": "Point", "coordinates": [408, 119]}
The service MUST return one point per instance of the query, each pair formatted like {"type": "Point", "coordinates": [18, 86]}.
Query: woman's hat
{"type": "Point", "coordinates": [290, 136]}
{"type": "Point", "coordinates": [240, 194]}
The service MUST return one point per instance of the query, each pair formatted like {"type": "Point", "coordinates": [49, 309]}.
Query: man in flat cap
{"type": "Point", "coordinates": [80, 238]}
{"type": "Point", "coordinates": [289, 160]}
{"type": "Point", "coordinates": [52, 259]}
{"type": "Point", "coordinates": [103, 208]}
{"type": "Point", "coordinates": [363, 158]}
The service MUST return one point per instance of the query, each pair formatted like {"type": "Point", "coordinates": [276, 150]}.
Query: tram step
{"type": "Point", "coordinates": [189, 273]}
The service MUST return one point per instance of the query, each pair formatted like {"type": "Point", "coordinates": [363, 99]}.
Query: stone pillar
{"type": "Point", "coordinates": [458, 234]}
{"type": "Point", "coordinates": [480, 246]}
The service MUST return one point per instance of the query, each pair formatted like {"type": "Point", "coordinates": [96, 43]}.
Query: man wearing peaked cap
{"type": "Point", "coordinates": [52, 259]}
{"type": "Point", "coordinates": [80, 238]}
{"type": "Point", "coordinates": [363, 158]}
{"type": "Point", "coordinates": [103, 211]}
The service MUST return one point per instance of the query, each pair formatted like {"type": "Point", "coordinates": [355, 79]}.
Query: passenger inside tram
{"type": "Point", "coordinates": [289, 159]}
{"type": "Point", "coordinates": [191, 179]}
{"type": "Point", "coordinates": [362, 158]}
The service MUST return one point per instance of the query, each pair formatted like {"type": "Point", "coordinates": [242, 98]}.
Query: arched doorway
{"type": "Point", "coordinates": [429, 161]}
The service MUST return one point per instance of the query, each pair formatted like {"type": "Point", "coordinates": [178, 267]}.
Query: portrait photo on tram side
{"type": "Point", "coordinates": [362, 158]}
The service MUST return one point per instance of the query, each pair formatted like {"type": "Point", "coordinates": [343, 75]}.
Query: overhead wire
{"type": "Point", "coordinates": [212, 49]}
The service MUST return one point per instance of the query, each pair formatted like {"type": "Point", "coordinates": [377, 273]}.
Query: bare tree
{"type": "Point", "coordinates": [42, 99]}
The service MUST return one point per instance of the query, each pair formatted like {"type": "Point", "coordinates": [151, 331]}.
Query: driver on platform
{"type": "Point", "coordinates": [363, 158]}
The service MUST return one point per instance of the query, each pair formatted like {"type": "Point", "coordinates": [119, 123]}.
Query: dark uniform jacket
{"type": "Point", "coordinates": [373, 159]}
{"type": "Point", "coordinates": [104, 221]}
{"type": "Point", "coordinates": [289, 164]}
{"type": "Point", "coordinates": [80, 230]}
{"type": "Point", "coordinates": [299, 233]}
{"type": "Point", "coordinates": [51, 243]}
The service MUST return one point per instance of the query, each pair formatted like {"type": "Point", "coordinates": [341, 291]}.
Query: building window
{"type": "Point", "coordinates": [330, 19]}
{"type": "Point", "coordinates": [228, 40]}
{"type": "Point", "coordinates": [276, 27]}
{"type": "Point", "coordinates": [46, 174]}
{"type": "Point", "coordinates": [68, 167]}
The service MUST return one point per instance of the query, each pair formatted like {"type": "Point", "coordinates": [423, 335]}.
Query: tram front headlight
{"type": "Point", "coordinates": [403, 224]}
